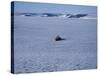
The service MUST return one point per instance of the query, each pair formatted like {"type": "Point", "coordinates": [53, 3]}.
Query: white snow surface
{"type": "Point", "coordinates": [35, 49]}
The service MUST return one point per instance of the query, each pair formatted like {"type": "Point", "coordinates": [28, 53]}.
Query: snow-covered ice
{"type": "Point", "coordinates": [35, 49]}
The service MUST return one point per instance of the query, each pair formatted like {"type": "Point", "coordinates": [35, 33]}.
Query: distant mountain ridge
{"type": "Point", "coordinates": [50, 15]}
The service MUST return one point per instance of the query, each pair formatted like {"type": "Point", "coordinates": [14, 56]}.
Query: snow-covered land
{"type": "Point", "coordinates": [35, 49]}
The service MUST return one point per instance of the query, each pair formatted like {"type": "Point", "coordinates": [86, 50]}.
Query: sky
{"type": "Point", "coordinates": [52, 8]}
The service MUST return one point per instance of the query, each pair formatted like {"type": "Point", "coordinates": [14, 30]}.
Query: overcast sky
{"type": "Point", "coordinates": [52, 8]}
